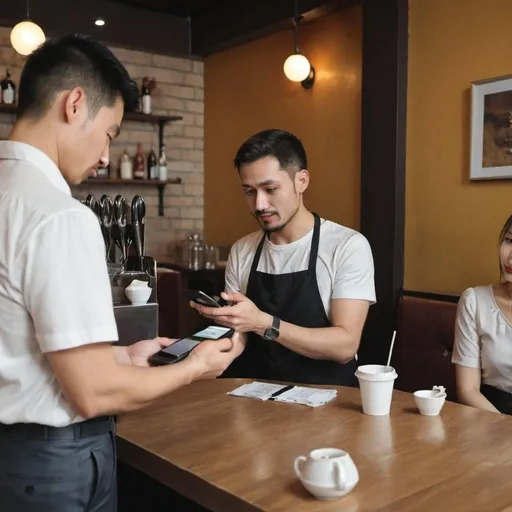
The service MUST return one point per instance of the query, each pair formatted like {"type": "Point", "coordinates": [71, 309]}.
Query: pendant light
{"type": "Point", "coordinates": [297, 67]}
{"type": "Point", "coordinates": [26, 36]}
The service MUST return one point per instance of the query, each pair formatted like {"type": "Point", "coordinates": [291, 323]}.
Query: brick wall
{"type": "Point", "coordinates": [179, 92]}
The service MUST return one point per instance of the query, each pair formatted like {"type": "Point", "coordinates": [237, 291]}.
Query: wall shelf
{"type": "Point", "coordinates": [119, 181]}
{"type": "Point", "coordinates": [160, 185]}
{"type": "Point", "coordinates": [149, 118]}
{"type": "Point", "coordinates": [128, 116]}
{"type": "Point", "coordinates": [8, 109]}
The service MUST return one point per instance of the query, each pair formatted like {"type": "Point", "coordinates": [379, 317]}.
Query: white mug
{"type": "Point", "coordinates": [327, 472]}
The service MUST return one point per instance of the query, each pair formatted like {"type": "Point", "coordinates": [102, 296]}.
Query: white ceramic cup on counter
{"type": "Point", "coordinates": [327, 473]}
{"type": "Point", "coordinates": [138, 292]}
{"type": "Point", "coordinates": [376, 384]}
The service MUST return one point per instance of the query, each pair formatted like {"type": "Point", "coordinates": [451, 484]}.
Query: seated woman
{"type": "Point", "coordinates": [483, 339]}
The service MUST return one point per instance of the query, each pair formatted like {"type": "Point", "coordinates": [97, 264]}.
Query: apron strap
{"type": "Point", "coordinates": [315, 242]}
{"type": "Point", "coordinates": [257, 255]}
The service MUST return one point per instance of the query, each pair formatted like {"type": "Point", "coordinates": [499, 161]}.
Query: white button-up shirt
{"type": "Point", "coordinates": [54, 287]}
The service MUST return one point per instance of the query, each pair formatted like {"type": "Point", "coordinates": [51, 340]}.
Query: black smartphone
{"type": "Point", "coordinates": [180, 349]}
{"type": "Point", "coordinates": [201, 298]}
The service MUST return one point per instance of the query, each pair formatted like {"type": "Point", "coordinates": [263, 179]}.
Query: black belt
{"type": "Point", "coordinates": [499, 398]}
{"type": "Point", "coordinates": [75, 431]}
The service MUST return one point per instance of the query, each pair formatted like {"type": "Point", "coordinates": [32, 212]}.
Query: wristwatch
{"type": "Point", "coordinates": [272, 333]}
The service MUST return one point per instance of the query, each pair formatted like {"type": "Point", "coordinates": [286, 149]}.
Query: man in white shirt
{"type": "Point", "coordinates": [61, 380]}
{"type": "Point", "coordinates": [303, 285]}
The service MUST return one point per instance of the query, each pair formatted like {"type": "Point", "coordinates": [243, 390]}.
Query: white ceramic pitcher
{"type": "Point", "coordinates": [327, 473]}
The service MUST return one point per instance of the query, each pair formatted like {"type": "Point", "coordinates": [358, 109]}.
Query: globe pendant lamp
{"type": "Point", "coordinates": [297, 67]}
{"type": "Point", "coordinates": [26, 36]}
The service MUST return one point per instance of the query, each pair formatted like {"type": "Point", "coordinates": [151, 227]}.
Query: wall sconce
{"type": "Point", "coordinates": [297, 67]}
{"type": "Point", "coordinates": [26, 36]}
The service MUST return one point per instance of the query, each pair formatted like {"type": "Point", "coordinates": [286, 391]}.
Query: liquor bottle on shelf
{"type": "Point", "coordinates": [148, 86]}
{"type": "Point", "coordinates": [145, 96]}
{"type": "Point", "coordinates": [7, 90]}
{"type": "Point", "coordinates": [162, 165]}
{"type": "Point", "coordinates": [153, 164]}
{"type": "Point", "coordinates": [139, 164]}
{"type": "Point", "coordinates": [126, 166]}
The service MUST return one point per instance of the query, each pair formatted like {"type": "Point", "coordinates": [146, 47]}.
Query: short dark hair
{"type": "Point", "coordinates": [70, 61]}
{"type": "Point", "coordinates": [282, 145]}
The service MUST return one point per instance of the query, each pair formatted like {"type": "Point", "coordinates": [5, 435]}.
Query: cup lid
{"type": "Point", "coordinates": [376, 373]}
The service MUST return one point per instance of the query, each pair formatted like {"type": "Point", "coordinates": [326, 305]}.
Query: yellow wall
{"type": "Point", "coordinates": [246, 91]}
{"type": "Point", "coordinates": [452, 224]}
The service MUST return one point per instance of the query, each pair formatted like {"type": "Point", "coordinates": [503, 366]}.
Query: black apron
{"type": "Point", "coordinates": [294, 298]}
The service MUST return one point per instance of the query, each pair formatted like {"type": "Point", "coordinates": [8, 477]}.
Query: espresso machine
{"type": "Point", "coordinates": [133, 278]}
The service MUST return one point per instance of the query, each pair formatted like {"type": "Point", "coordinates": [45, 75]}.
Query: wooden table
{"type": "Point", "coordinates": [234, 454]}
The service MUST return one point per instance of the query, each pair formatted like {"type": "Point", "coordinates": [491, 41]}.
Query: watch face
{"type": "Point", "coordinates": [271, 333]}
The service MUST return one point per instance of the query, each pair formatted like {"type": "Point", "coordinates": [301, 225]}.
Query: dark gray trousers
{"type": "Point", "coordinates": [72, 469]}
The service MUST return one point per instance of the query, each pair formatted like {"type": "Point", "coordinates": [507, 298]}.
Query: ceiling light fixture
{"type": "Point", "coordinates": [26, 36]}
{"type": "Point", "coordinates": [99, 22]}
{"type": "Point", "coordinates": [297, 67]}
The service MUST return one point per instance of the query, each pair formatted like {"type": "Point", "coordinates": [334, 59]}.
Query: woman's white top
{"type": "Point", "coordinates": [483, 337]}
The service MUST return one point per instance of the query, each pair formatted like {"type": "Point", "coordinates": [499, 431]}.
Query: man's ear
{"type": "Point", "coordinates": [75, 106]}
{"type": "Point", "coordinates": [301, 181]}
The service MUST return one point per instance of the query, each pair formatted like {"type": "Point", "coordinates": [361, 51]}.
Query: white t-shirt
{"type": "Point", "coordinates": [54, 288]}
{"type": "Point", "coordinates": [483, 337]}
{"type": "Point", "coordinates": [344, 267]}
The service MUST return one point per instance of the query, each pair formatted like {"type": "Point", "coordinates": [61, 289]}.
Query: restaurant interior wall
{"type": "Point", "coordinates": [247, 91]}
{"type": "Point", "coordinates": [452, 223]}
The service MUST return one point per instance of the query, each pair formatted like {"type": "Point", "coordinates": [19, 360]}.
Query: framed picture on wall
{"type": "Point", "coordinates": [491, 129]}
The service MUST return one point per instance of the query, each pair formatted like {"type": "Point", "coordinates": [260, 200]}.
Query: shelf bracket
{"type": "Point", "coordinates": [161, 190]}
{"type": "Point", "coordinates": [161, 125]}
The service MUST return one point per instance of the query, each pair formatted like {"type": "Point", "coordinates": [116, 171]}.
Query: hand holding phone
{"type": "Point", "coordinates": [202, 298]}
{"type": "Point", "coordinates": [180, 349]}
{"type": "Point", "coordinates": [213, 357]}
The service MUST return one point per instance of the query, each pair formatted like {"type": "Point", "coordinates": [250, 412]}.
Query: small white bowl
{"type": "Point", "coordinates": [427, 403]}
{"type": "Point", "coordinates": [138, 296]}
